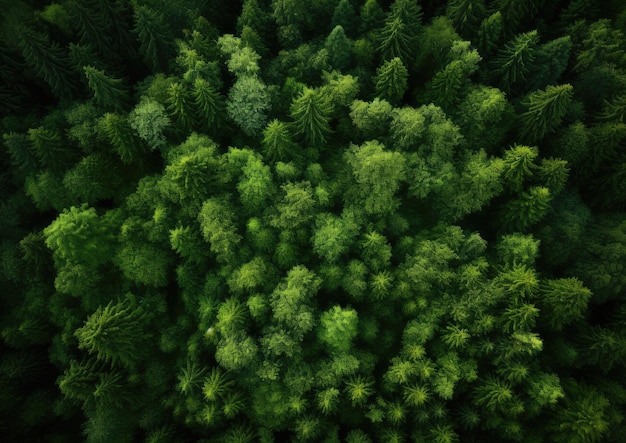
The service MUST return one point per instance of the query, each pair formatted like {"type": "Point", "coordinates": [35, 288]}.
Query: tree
{"type": "Point", "coordinates": [255, 187]}
{"type": "Point", "coordinates": [296, 207]}
{"type": "Point", "coordinates": [513, 62]}
{"type": "Point", "coordinates": [209, 105]}
{"type": "Point", "coordinates": [79, 235]}
{"type": "Point", "coordinates": [519, 165]}
{"type": "Point", "coordinates": [528, 209]}
{"type": "Point", "coordinates": [333, 235]}
{"type": "Point", "coordinates": [179, 106]}
{"type": "Point", "coordinates": [546, 109]}
{"type": "Point", "coordinates": [50, 148]}
{"type": "Point", "coordinates": [371, 119]}
{"type": "Point", "coordinates": [292, 301]}
{"type": "Point", "coordinates": [339, 48]}
{"type": "Point", "coordinates": [311, 113]}
{"type": "Point", "coordinates": [217, 222]}
{"type": "Point", "coordinates": [126, 142]}
{"type": "Point", "coordinates": [377, 174]}
{"type": "Point", "coordinates": [149, 119]}
{"type": "Point", "coordinates": [399, 36]}
{"type": "Point", "coordinates": [391, 80]}
{"type": "Point", "coordinates": [49, 61]}
{"type": "Point", "coordinates": [109, 93]}
{"type": "Point", "coordinates": [248, 103]}
{"type": "Point", "coordinates": [565, 300]}
{"type": "Point", "coordinates": [277, 143]}
{"type": "Point", "coordinates": [345, 16]}
{"type": "Point", "coordinates": [155, 40]}
{"type": "Point", "coordinates": [447, 85]}
{"type": "Point", "coordinates": [485, 116]}
{"type": "Point", "coordinates": [466, 15]}
{"type": "Point", "coordinates": [490, 34]}
{"type": "Point", "coordinates": [115, 333]}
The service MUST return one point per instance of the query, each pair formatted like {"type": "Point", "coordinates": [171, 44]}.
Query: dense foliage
{"type": "Point", "coordinates": [321, 220]}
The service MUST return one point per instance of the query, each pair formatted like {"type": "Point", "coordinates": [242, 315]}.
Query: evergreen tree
{"type": "Point", "coordinates": [513, 62]}
{"type": "Point", "coordinates": [546, 109]}
{"type": "Point", "coordinates": [155, 41]}
{"type": "Point", "coordinates": [527, 210]}
{"type": "Point", "coordinates": [391, 80]}
{"type": "Point", "coordinates": [311, 113]}
{"type": "Point", "coordinates": [339, 48]}
{"type": "Point", "coordinates": [248, 104]}
{"type": "Point", "coordinates": [49, 61]}
{"type": "Point", "coordinates": [109, 93]}
{"type": "Point", "coordinates": [490, 34]}
{"type": "Point", "coordinates": [115, 333]}
{"type": "Point", "coordinates": [466, 15]}
{"type": "Point", "coordinates": [566, 300]}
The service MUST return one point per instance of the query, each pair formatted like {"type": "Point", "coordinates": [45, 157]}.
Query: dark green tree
{"type": "Point", "coordinates": [49, 61]}
{"type": "Point", "coordinates": [466, 15]}
{"type": "Point", "coordinates": [513, 63]}
{"type": "Point", "coordinates": [392, 80]}
{"type": "Point", "coordinates": [155, 40]}
{"type": "Point", "coordinates": [545, 111]}
{"type": "Point", "coordinates": [528, 209]}
{"type": "Point", "coordinates": [311, 113]}
{"type": "Point", "coordinates": [115, 333]}
{"type": "Point", "coordinates": [109, 93]}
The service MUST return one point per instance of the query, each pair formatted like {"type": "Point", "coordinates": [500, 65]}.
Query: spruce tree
{"type": "Point", "coordinates": [311, 113]}
{"type": "Point", "coordinates": [109, 93]}
{"type": "Point", "coordinates": [391, 80]}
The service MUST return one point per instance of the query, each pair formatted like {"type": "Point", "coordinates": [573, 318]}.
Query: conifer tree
{"type": "Point", "coordinates": [49, 61]}
{"type": "Point", "coordinates": [466, 15]}
{"type": "Point", "coordinates": [391, 80]}
{"type": "Point", "coordinates": [513, 63]}
{"type": "Point", "coordinates": [155, 41]}
{"type": "Point", "coordinates": [490, 33]}
{"type": "Point", "coordinates": [179, 106]}
{"type": "Point", "coordinates": [546, 109]}
{"type": "Point", "coordinates": [345, 16]}
{"type": "Point", "coordinates": [108, 92]}
{"type": "Point", "coordinates": [339, 48]}
{"type": "Point", "coordinates": [209, 104]}
{"type": "Point", "coordinates": [115, 333]}
{"type": "Point", "coordinates": [277, 143]}
{"type": "Point", "coordinates": [248, 104]}
{"type": "Point", "coordinates": [311, 113]}
{"type": "Point", "coordinates": [124, 140]}
{"type": "Point", "coordinates": [565, 300]}
{"type": "Point", "coordinates": [526, 210]}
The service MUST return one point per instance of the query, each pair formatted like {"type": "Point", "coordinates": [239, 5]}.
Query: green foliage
{"type": "Point", "coordinates": [311, 113]}
{"type": "Point", "coordinates": [149, 120]}
{"type": "Point", "coordinates": [545, 110]}
{"type": "Point", "coordinates": [338, 328]}
{"type": "Point", "coordinates": [155, 41]}
{"type": "Point", "coordinates": [513, 62]}
{"type": "Point", "coordinates": [391, 80]}
{"type": "Point", "coordinates": [115, 333]}
{"type": "Point", "coordinates": [333, 226]}
{"type": "Point", "coordinates": [248, 103]}
{"type": "Point", "coordinates": [377, 176]}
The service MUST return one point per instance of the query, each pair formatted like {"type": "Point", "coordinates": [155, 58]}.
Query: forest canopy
{"type": "Point", "coordinates": [322, 220]}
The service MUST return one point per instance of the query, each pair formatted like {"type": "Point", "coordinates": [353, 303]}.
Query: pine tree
{"type": "Point", "coordinates": [277, 143]}
{"type": "Point", "coordinates": [466, 15]}
{"type": "Point", "coordinates": [124, 140]}
{"type": "Point", "coordinates": [490, 34]}
{"type": "Point", "coordinates": [311, 113]}
{"type": "Point", "coordinates": [155, 41]}
{"type": "Point", "coordinates": [115, 333]}
{"type": "Point", "coordinates": [391, 80]}
{"type": "Point", "coordinates": [565, 301]}
{"type": "Point", "coordinates": [339, 48]}
{"type": "Point", "coordinates": [179, 106]}
{"type": "Point", "coordinates": [546, 109]}
{"type": "Point", "coordinates": [345, 16]}
{"type": "Point", "coordinates": [519, 165]}
{"type": "Point", "coordinates": [51, 150]}
{"type": "Point", "coordinates": [109, 93]}
{"type": "Point", "coordinates": [513, 63]}
{"type": "Point", "coordinates": [49, 61]}
{"type": "Point", "coordinates": [209, 105]}
{"type": "Point", "coordinates": [528, 209]}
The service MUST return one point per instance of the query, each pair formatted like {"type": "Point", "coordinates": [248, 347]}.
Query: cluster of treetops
{"type": "Point", "coordinates": [323, 220]}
